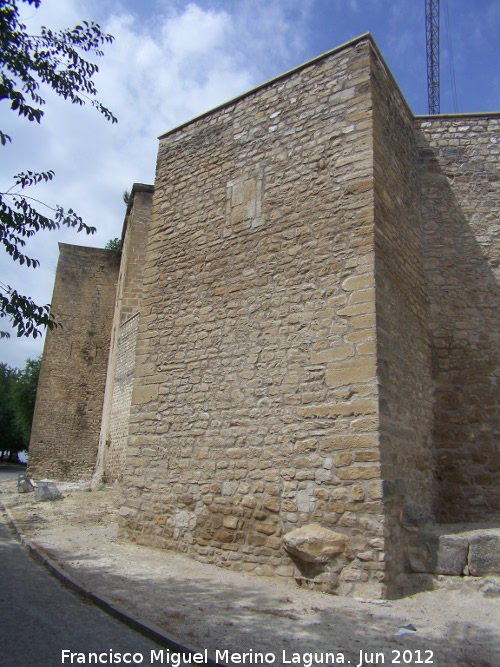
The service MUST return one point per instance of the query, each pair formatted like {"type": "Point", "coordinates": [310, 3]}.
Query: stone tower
{"type": "Point", "coordinates": [306, 330]}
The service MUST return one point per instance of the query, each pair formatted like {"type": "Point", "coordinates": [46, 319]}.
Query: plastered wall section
{"type": "Point", "coordinates": [460, 176]}
{"type": "Point", "coordinates": [120, 375]}
{"type": "Point", "coordinates": [66, 423]}
{"type": "Point", "coordinates": [403, 348]}
{"type": "Point", "coordinates": [255, 410]}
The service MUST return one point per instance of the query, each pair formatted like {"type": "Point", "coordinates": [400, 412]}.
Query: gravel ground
{"type": "Point", "coordinates": [233, 613]}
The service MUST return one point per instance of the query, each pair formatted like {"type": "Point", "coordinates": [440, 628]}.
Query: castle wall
{"type": "Point", "coordinates": [403, 349]}
{"type": "Point", "coordinates": [122, 362]}
{"type": "Point", "coordinates": [305, 331]}
{"type": "Point", "coordinates": [255, 410]}
{"type": "Point", "coordinates": [66, 423]}
{"type": "Point", "coordinates": [460, 176]}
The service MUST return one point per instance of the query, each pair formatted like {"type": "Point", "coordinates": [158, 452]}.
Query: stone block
{"type": "Point", "coordinates": [361, 369]}
{"type": "Point", "coordinates": [332, 354]}
{"type": "Point", "coordinates": [357, 493]}
{"type": "Point", "coordinates": [348, 441]}
{"type": "Point", "coordinates": [303, 500]}
{"type": "Point", "coordinates": [356, 282]}
{"type": "Point", "coordinates": [484, 555]}
{"type": "Point", "coordinates": [266, 528]}
{"type": "Point", "coordinates": [146, 394]}
{"type": "Point", "coordinates": [438, 554]}
{"type": "Point", "coordinates": [362, 296]}
{"type": "Point", "coordinates": [375, 490]}
{"type": "Point", "coordinates": [224, 536]}
{"type": "Point", "coordinates": [315, 544]}
{"type": "Point", "coordinates": [357, 309]}
{"type": "Point", "coordinates": [358, 472]}
{"type": "Point", "coordinates": [230, 522]}
{"type": "Point", "coordinates": [342, 459]}
{"type": "Point", "coordinates": [272, 504]}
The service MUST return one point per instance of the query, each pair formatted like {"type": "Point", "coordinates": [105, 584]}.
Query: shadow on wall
{"type": "Point", "coordinates": [464, 324]}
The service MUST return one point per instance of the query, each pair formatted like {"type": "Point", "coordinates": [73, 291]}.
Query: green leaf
{"type": "Point", "coordinates": [57, 59]}
{"type": "Point", "coordinates": [4, 138]}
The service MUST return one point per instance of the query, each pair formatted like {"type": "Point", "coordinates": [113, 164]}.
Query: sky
{"type": "Point", "coordinates": [173, 60]}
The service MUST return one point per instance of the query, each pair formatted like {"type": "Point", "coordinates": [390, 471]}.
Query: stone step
{"type": "Point", "coordinates": [457, 550]}
{"type": "Point", "coordinates": [409, 584]}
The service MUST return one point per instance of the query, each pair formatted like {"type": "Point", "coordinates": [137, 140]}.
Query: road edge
{"type": "Point", "coordinates": [117, 611]}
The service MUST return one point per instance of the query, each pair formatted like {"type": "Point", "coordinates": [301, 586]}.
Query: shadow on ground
{"type": "Point", "coordinates": [249, 619]}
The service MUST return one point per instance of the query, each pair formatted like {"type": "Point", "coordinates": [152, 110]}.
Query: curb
{"type": "Point", "coordinates": [145, 628]}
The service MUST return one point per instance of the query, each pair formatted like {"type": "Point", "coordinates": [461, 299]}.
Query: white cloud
{"type": "Point", "coordinates": [156, 75]}
{"type": "Point", "coordinates": [195, 31]}
{"type": "Point", "coordinates": [175, 59]}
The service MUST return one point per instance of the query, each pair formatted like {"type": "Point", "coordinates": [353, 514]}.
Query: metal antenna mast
{"type": "Point", "coordinates": [432, 39]}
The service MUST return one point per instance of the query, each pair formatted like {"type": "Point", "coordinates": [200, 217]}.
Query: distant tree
{"type": "Point", "coordinates": [17, 405]}
{"type": "Point", "coordinates": [114, 244]}
{"type": "Point", "coordinates": [10, 438]}
{"type": "Point", "coordinates": [126, 197]}
{"type": "Point", "coordinates": [53, 58]}
{"type": "Point", "coordinates": [24, 396]}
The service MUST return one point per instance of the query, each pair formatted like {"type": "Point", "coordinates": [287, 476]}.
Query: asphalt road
{"type": "Point", "coordinates": [10, 471]}
{"type": "Point", "coordinates": [39, 619]}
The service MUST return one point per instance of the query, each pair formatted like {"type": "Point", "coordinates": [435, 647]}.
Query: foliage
{"type": "Point", "coordinates": [25, 394]}
{"type": "Point", "coordinates": [17, 405]}
{"type": "Point", "coordinates": [114, 244]}
{"type": "Point", "coordinates": [53, 58]}
{"type": "Point", "coordinates": [10, 437]}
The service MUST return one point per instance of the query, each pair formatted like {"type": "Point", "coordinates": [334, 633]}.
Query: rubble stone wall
{"type": "Point", "coordinates": [256, 408]}
{"type": "Point", "coordinates": [460, 172]}
{"type": "Point", "coordinates": [304, 333]}
{"type": "Point", "coordinates": [66, 423]}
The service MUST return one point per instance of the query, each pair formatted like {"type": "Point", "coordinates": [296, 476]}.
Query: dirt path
{"type": "Point", "coordinates": [219, 610]}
